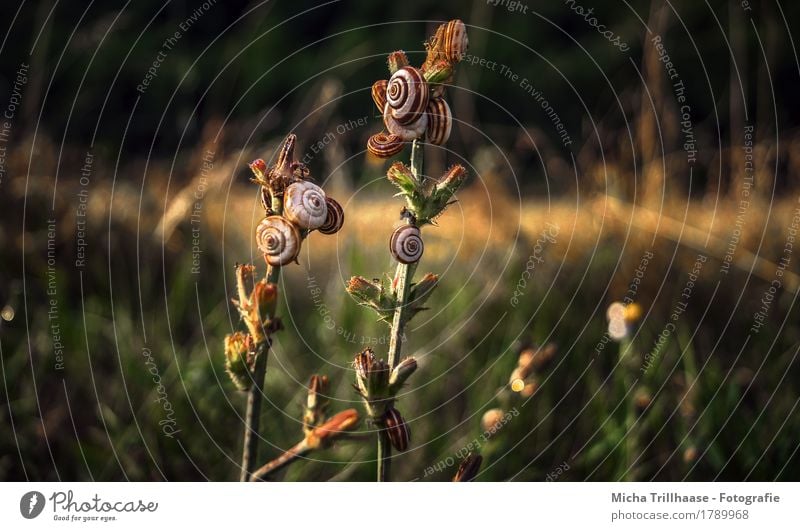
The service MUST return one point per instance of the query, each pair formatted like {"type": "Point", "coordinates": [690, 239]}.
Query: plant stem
{"type": "Point", "coordinates": [286, 458]}
{"type": "Point", "coordinates": [384, 457]}
{"type": "Point", "coordinates": [252, 417]}
{"type": "Point", "coordinates": [404, 275]}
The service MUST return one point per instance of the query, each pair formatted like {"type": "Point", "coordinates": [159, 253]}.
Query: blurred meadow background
{"type": "Point", "coordinates": [126, 204]}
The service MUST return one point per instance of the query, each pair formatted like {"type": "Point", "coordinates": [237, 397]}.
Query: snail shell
{"type": "Point", "coordinates": [385, 145]}
{"type": "Point", "coordinates": [334, 219]}
{"type": "Point", "coordinates": [379, 93]}
{"type": "Point", "coordinates": [407, 132]}
{"type": "Point", "coordinates": [440, 121]}
{"type": "Point", "coordinates": [278, 239]}
{"type": "Point", "coordinates": [406, 244]}
{"type": "Point", "coordinates": [304, 205]}
{"type": "Point", "coordinates": [407, 95]}
{"type": "Point", "coordinates": [396, 429]}
{"type": "Point", "coordinates": [455, 40]}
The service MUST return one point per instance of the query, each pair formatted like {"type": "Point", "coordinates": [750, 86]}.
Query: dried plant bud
{"type": "Point", "coordinates": [451, 181]}
{"type": "Point", "coordinates": [468, 468]}
{"type": "Point", "coordinates": [372, 375]}
{"type": "Point", "coordinates": [244, 281]}
{"type": "Point", "coordinates": [400, 374]}
{"type": "Point", "coordinates": [396, 429]}
{"type": "Point", "coordinates": [530, 389]}
{"type": "Point", "coordinates": [265, 298]}
{"type": "Point", "coordinates": [239, 357]}
{"type": "Point", "coordinates": [334, 427]}
{"type": "Point", "coordinates": [397, 60]}
{"type": "Point", "coordinates": [316, 404]}
{"type": "Point", "coordinates": [642, 399]}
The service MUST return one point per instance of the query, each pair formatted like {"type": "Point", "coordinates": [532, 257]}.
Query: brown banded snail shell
{"type": "Point", "coordinates": [440, 121]}
{"type": "Point", "coordinates": [406, 244]}
{"type": "Point", "coordinates": [384, 145]}
{"type": "Point", "coordinates": [407, 95]}
{"type": "Point", "coordinates": [278, 239]}
{"type": "Point", "coordinates": [407, 132]}
{"type": "Point", "coordinates": [304, 205]}
{"type": "Point", "coordinates": [335, 217]}
{"type": "Point", "coordinates": [396, 429]}
{"type": "Point", "coordinates": [379, 94]}
{"type": "Point", "coordinates": [456, 41]}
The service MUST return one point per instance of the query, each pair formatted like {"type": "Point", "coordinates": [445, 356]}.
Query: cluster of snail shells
{"type": "Point", "coordinates": [406, 244]}
{"type": "Point", "coordinates": [305, 208]}
{"type": "Point", "coordinates": [409, 112]}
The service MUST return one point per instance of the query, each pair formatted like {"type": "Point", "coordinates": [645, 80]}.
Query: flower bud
{"type": "Point", "coordinates": [468, 468]}
{"type": "Point", "coordinates": [400, 374]}
{"type": "Point", "coordinates": [401, 176]}
{"type": "Point", "coordinates": [372, 375]}
{"type": "Point", "coordinates": [420, 292]}
{"type": "Point", "coordinates": [259, 168]}
{"type": "Point", "coordinates": [451, 180]}
{"type": "Point", "coordinates": [265, 299]}
{"type": "Point", "coordinates": [438, 72]}
{"type": "Point", "coordinates": [239, 357]}
{"type": "Point", "coordinates": [315, 403]}
{"type": "Point", "coordinates": [396, 429]}
{"type": "Point", "coordinates": [372, 294]}
{"type": "Point", "coordinates": [397, 60]}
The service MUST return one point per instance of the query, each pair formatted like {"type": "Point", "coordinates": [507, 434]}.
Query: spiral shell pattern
{"type": "Point", "coordinates": [396, 429]}
{"type": "Point", "coordinates": [406, 244]}
{"type": "Point", "coordinates": [440, 121]}
{"type": "Point", "coordinates": [455, 40]}
{"type": "Point", "coordinates": [385, 145]}
{"type": "Point", "coordinates": [304, 205]}
{"type": "Point", "coordinates": [335, 217]}
{"type": "Point", "coordinates": [379, 93]}
{"type": "Point", "coordinates": [278, 239]}
{"type": "Point", "coordinates": [407, 132]}
{"type": "Point", "coordinates": [407, 95]}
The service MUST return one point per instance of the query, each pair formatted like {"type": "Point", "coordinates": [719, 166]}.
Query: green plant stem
{"type": "Point", "coordinates": [384, 457]}
{"type": "Point", "coordinates": [404, 276]}
{"type": "Point", "coordinates": [286, 458]}
{"type": "Point", "coordinates": [255, 395]}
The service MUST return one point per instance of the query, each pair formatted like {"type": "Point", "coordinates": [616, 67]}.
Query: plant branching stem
{"type": "Point", "coordinates": [404, 276]}
{"type": "Point", "coordinates": [286, 458]}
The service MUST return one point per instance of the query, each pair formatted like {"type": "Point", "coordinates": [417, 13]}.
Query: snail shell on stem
{"type": "Point", "coordinates": [384, 145]}
{"type": "Point", "coordinates": [379, 93]}
{"type": "Point", "coordinates": [407, 95]}
{"type": "Point", "coordinates": [304, 205]}
{"type": "Point", "coordinates": [406, 244]}
{"type": "Point", "coordinates": [335, 217]}
{"type": "Point", "coordinates": [396, 429]}
{"type": "Point", "coordinates": [440, 121]}
{"type": "Point", "coordinates": [278, 239]}
{"type": "Point", "coordinates": [455, 40]}
{"type": "Point", "coordinates": [407, 132]}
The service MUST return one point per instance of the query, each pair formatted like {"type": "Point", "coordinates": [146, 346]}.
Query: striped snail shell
{"type": "Point", "coordinates": [407, 94]}
{"type": "Point", "coordinates": [379, 93]}
{"type": "Point", "coordinates": [265, 197]}
{"type": "Point", "coordinates": [304, 205]}
{"type": "Point", "coordinates": [396, 429]}
{"type": "Point", "coordinates": [406, 244]}
{"type": "Point", "coordinates": [455, 40]}
{"type": "Point", "coordinates": [407, 132]}
{"type": "Point", "coordinates": [278, 239]}
{"type": "Point", "coordinates": [384, 145]}
{"type": "Point", "coordinates": [440, 121]}
{"type": "Point", "coordinates": [334, 219]}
